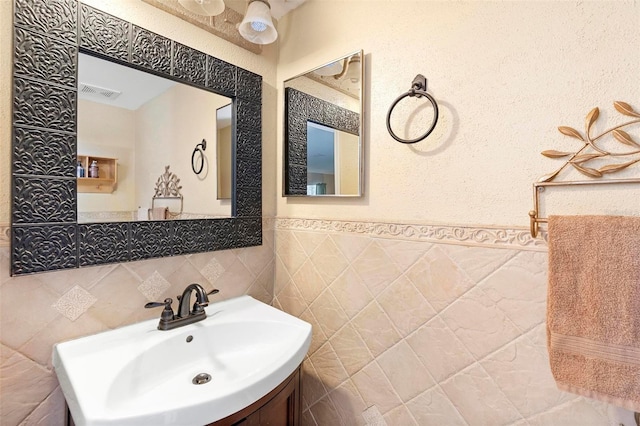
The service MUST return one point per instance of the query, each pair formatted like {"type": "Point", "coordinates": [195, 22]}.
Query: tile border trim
{"type": "Point", "coordinates": [468, 235]}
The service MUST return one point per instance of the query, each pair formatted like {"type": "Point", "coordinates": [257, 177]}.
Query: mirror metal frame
{"type": "Point", "coordinates": [300, 108]}
{"type": "Point", "coordinates": [45, 234]}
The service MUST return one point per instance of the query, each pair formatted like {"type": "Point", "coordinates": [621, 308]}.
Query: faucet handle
{"type": "Point", "coordinates": [198, 306]}
{"type": "Point", "coordinates": [167, 312]}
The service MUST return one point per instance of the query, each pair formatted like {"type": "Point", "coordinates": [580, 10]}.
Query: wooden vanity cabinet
{"type": "Point", "coordinates": [280, 407]}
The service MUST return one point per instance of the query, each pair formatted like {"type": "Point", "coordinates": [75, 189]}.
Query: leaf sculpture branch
{"type": "Point", "coordinates": [580, 160]}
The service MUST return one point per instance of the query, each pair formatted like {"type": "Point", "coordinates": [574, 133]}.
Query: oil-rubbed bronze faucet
{"type": "Point", "coordinates": [185, 315]}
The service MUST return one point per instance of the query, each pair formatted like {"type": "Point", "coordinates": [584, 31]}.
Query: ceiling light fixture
{"type": "Point", "coordinates": [203, 7]}
{"type": "Point", "coordinates": [351, 69]}
{"type": "Point", "coordinates": [257, 25]}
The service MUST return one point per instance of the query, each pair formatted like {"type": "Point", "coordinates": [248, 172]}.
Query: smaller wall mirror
{"type": "Point", "coordinates": [323, 140]}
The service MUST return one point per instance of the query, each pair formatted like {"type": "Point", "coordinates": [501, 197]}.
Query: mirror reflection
{"type": "Point", "coordinates": [136, 136]}
{"type": "Point", "coordinates": [323, 137]}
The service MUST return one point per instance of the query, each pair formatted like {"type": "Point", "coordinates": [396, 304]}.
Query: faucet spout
{"type": "Point", "coordinates": [185, 300]}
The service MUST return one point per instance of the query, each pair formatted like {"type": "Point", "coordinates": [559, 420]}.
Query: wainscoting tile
{"type": "Point", "coordinates": [74, 303]}
{"type": "Point", "coordinates": [405, 305]}
{"type": "Point", "coordinates": [477, 397]}
{"type": "Point", "coordinates": [521, 362]}
{"type": "Point", "coordinates": [325, 412]}
{"type": "Point", "coordinates": [318, 338]}
{"type": "Point", "coordinates": [291, 300]}
{"type": "Point", "coordinates": [329, 260]}
{"type": "Point", "coordinates": [349, 404]}
{"type": "Point", "coordinates": [21, 376]}
{"type": "Point", "coordinates": [350, 245]}
{"type": "Point", "coordinates": [376, 329]}
{"type": "Point", "coordinates": [479, 324]}
{"type": "Point", "coordinates": [478, 262]}
{"type": "Point", "coordinates": [519, 289]}
{"type": "Point", "coordinates": [351, 349]}
{"type": "Point", "coordinates": [432, 407]}
{"type": "Point", "coordinates": [309, 281]}
{"type": "Point", "coordinates": [376, 268]}
{"type": "Point", "coordinates": [375, 389]}
{"type": "Point", "coordinates": [328, 366]}
{"type": "Point", "coordinates": [328, 312]}
{"type": "Point", "coordinates": [404, 371]}
{"type": "Point", "coordinates": [403, 253]}
{"type": "Point", "coordinates": [440, 351]}
{"type": "Point", "coordinates": [400, 416]}
{"type": "Point", "coordinates": [439, 279]}
{"type": "Point", "coordinates": [351, 292]}
{"type": "Point", "coordinates": [154, 287]}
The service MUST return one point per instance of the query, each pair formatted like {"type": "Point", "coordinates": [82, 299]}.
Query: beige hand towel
{"type": "Point", "coordinates": [593, 307]}
{"type": "Point", "coordinates": [158, 213]}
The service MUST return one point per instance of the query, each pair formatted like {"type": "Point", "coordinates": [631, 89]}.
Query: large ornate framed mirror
{"type": "Point", "coordinates": [46, 235]}
{"type": "Point", "coordinates": [323, 138]}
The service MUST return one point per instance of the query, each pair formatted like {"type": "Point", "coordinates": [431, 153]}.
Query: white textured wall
{"type": "Point", "coordinates": [505, 74]}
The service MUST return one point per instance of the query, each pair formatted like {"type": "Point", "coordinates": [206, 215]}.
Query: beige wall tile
{"type": "Point", "coordinates": [328, 312]}
{"type": "Point", "coordinates": [405, 305]}
{"type": "Point", "coordinates": [434, 408]}
{"type": "Point", "coordinates": [25, 384]}
{"type": "Point", "coordinates": [351, 292]}
{"type": "Point", "coordinates": [375, 389]}
{"type": "Point", "coordinates": [351, 245]}
{"type": "Point", "coordinates": [309, 281]}
{"type": "Point", "coordinates": [328, 366]}
{"type": "Point", "coordinates": [309, 240]}
{"type": "Point", "coordinates": [579, 411]}
{"type": "Point", "coordinates": [477, 397]}
{"type": "Point", "coordinates": [519, 288]}
{"type": "Point", "coordinates": [525, 362]}
{"type": "Point", "coordinates": [290, 251]}
{"type": "Point", "coordinates": [405, 372]}
{"type": "Point", "coordinates": [400, 416]}
{"type": "Point", "coordinates": [329, 260]}
{"type": "Point", "coordinates": [325, 413]}
{"type": "Point", "coordinates": [478, 262]}
{"type": "Point", "coordinates": [350, 349]}
{"type": "Point", "coordinates": [16, 328]}
{"type": "Point", "coordinates": [375, 268]}
{"type": "Point", "coordinates": [291, 301]}
{"type": "Point", "coordinates": [404, 253]}
{"type": "Point", "coordinates": [439, 350]}
{"type": "Point", "coordinates": [318, 338]}
{"type": "Point", "coordinates": [312, 387]}
{"type": "Point", "coordinates": [50, 412]}
{"type": "Point", "coordinates": [349, 404]}
{"type": "Point", "coordinates": [479, 324]}
{"type": "Point", "coordinates": [375, 329]}
{"type": "Point", "coordinates": [439, 279]}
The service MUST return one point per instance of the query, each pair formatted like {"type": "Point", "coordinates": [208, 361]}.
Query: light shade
{"type": "Point", "coordinates": [203, 7]}
{"type": "Point", "coordinates": [354, 70]}
{"type": "Point", "coordinates": [257, 26]}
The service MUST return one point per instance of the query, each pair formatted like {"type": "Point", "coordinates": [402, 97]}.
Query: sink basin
{"type": "Point", "coordinates": [139, 375]}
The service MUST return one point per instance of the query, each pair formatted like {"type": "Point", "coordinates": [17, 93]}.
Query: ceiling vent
{"type": "Point", "coordinates": [98, 92]}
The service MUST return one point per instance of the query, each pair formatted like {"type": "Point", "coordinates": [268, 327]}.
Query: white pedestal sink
{"type": "Point", "coordinates": [138, 375]}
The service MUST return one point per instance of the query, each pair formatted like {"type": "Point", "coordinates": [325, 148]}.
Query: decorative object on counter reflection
{"type": "Point", "coordinates": [257, 25]}
{"type": "Point", "coordinates": [168, 188]}
{"type": "Point", "coordinates": [196, 165]}
{"type": "Point", "coordinates": [79, 170]}
{"type": "Point", "coordinates": [203, 7]}
{"type": "Point", "coordinates": [93, 169]}
{"type": "Point", "coordinates": [418, 90]}
{"type": "Point", "coordinates": [592, 160]}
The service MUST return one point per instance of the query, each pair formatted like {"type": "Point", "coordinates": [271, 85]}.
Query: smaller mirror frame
{"type": "Point", "coordinates": [300, 108]}
{"type": "Point", "coordinates": [45, 233]}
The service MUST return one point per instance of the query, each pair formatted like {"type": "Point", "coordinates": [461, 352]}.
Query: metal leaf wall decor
{"type": "Point", "coordinates": [584, 158]}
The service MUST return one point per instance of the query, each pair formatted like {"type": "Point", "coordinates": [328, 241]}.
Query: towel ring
{"type": "Point", "coordinates": [201, 147]}
{"type": "Point", "coordinates": [418, 89]}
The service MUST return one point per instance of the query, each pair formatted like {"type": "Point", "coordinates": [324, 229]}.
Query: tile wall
{"type": "Point", "coordinates": [37, 311]}
{"type": "Point", "coordinates": [412, 326]}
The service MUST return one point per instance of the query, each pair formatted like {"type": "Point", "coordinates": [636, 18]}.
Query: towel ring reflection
{"type": "Point", "coordinates": [200, 148]}
{"type": "Point", "coordinates": [418, 89]}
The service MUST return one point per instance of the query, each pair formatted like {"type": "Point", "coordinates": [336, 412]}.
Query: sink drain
{"type": "Point", "coordinates": [201, 379]}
